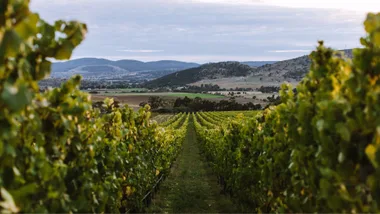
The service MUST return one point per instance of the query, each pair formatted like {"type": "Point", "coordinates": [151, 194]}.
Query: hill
{"type": "Point", "coordinates": [295, 68]}
{"type": "Point", "coordinates": [95, 67]}
{"type": "Point", "coordinates": [292, 71]}
{"type": "Point", "coordinates": [206, 71]}
{"type": "Point", "coordinates": [72, 64]}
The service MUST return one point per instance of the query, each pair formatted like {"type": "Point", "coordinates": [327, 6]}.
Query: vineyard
{"type": "Point", "coordinates": [317, 151]}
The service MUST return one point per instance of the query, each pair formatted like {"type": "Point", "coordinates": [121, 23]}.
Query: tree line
{"type": "Point", "coordinates": [187, 104]}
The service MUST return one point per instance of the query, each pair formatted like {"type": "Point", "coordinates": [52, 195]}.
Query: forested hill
{"type": "Point", "coordinates": [280, 71]}
{"type": "Point", "coordinates": [206, 71]}
{"type": "Point", "coordinates": [295, 68]}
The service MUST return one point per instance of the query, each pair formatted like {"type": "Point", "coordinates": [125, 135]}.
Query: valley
{"type": "Point", "coordinates": [135, 99]}
{"type": "Point", "coordinates": [133, 82]}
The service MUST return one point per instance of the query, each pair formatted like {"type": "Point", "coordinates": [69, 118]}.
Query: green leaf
{"type": "Point", "coordinates": [372, 23]}
{"type": "Point", "coordinates": [328, 173]}
{"type": "Point", "coordinates": [44, 70]}
{"type": "Point", "coordinates": [10, 44]}
{"type": "Point", "coordinates": [28, 26]}
{"type": "Point", "coordinates": [370, 151]}
{"type": "Point", "coordinates": [59, 25]}
{"type": "Point", "coordinates": [335, 202]}
{"type": "Point", "coordinates": [65, 50]}
{"type": "Point", "coordinates": [343, 131]}
{"type": "Point", "coordinates": [16, 96]}
{"type": "Point", "coordinates": [1, 148]}
{"type": "Point", "coordinates": [24, 191]}
{"type": "Point", "coordinates": [376, 38]}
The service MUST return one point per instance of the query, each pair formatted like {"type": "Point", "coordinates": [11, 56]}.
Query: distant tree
{"type": "Point", "coordinates": [155, 102]}
{"type": "Point", "coordinates": [198, 104]}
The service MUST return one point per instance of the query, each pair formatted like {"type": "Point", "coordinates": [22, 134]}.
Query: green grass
{"type": "Point", "coordinates": [132, 89]}
{"type": "Point", "coordinates": [194, 95]}
{"type": "Point", "coordinates": [163, 94]}
{"type": "Point", "coordinates": [191, 186]}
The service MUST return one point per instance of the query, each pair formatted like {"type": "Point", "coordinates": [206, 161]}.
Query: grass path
{"type": "Point", "coordinates": [191, 187]}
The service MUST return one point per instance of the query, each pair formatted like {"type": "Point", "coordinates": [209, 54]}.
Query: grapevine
{"type": "Point", "coordinates": [57, 153]}
{"type": "Point", "coordinates": [318, 150]}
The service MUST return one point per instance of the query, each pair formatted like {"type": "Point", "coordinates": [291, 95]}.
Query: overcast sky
{"type": "Point", "coordinates": [210, 30]}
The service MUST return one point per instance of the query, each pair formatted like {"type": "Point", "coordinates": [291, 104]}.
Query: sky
{"type": "Point", "coordinates": [210, 30]}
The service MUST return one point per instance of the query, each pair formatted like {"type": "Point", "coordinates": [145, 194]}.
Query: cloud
{"type": "Point", "coordinates": [363, 5]}
{"type": "Point", "coordinates": [141, 51]}
{"type": "Point", "coordinates": [185, 29]}
{"type": "Point", "coordinates": [290, 51]}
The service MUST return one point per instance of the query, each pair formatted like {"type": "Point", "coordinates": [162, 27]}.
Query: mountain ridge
{"type": "Point", "coordinates": [208, 70]}
{"type": "Point", "coordinates": [295, 68]}
{"type": "Point", "coordinates": [126, 64]}
{"type": "Point", "coordinates": [291, 70]}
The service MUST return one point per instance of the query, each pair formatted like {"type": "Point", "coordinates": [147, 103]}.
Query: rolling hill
{"type": "Point", "coordinates": [270, 74]}
{"type": "Point", "coordinates": [295, 68]}
{"type": "Point", "coordinates": [206, 71]}
{"type": "Point", "coordinates": [95, 66]}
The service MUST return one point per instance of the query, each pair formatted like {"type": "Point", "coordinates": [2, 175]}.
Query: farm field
{"type": "Point", "coordinates": [161, 94]}
{"type": "Point", "coordinates": [246, 94]}
{"type": "Point", "coordinates": [118, 90]}
{"type": "Point", "coordinates": [243, 82]}
{"type": "Point", "coordinates": [134, 99]}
